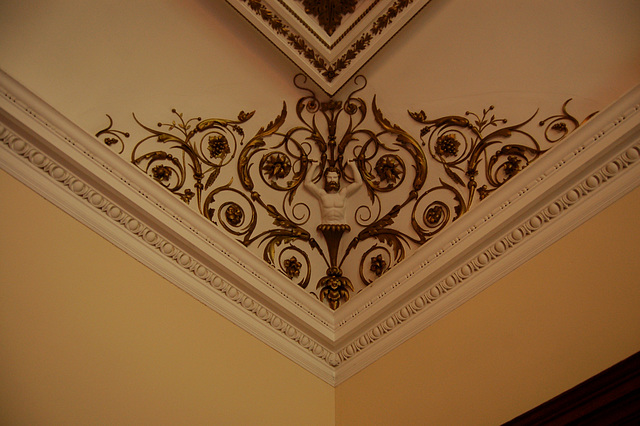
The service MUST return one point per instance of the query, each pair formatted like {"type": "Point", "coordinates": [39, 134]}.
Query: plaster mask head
{"type": "Point", "coordinates": [332, 180]}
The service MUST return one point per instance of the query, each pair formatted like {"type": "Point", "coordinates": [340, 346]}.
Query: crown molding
{"type": "Point", "coordinates": [593, 167]}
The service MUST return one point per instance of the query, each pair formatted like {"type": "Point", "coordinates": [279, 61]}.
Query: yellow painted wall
{"type": "Point", "coordinates": [90, 336]}
{"type": "Point", "coordinates": [565, 315]}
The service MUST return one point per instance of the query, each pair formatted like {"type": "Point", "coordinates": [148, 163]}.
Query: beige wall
{"type": "Point", "coordinates": [90, 336]}
{"type": "Point", "coordinates": [564, 316]}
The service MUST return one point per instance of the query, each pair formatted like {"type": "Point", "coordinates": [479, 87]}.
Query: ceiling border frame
{"type": "Point", "coordinates": [273, 21]}
{"type": "Point", "coordinates": [56, 159]}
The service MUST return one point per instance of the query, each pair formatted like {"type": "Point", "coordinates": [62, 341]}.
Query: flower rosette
{"type": "Point", "coordinates": [232, 209]}
{"type": "Point", "coordinates": [374, 263]}
{"type": "Point", "coordinates": [294, 263]}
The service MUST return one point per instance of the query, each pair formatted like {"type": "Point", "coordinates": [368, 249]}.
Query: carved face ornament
{"type": "Point", "coordinates": [332, 181]}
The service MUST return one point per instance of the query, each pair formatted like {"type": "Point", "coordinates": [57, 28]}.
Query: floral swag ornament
{"type": "Point", "coordinates": [331, 153]}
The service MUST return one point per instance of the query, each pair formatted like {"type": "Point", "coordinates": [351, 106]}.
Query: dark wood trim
{"type": "Point", "coordinates": [611, 397]}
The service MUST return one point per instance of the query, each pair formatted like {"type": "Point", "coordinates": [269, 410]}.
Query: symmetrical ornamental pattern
{"type": "Point", "coordinates": [410, 185]}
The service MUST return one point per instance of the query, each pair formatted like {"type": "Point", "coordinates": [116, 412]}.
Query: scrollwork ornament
{"type": "Point", "coordinates": [112, 136]}
{"type": "Point", "coordinates": [412, 184]}
{"type": "Point", "coordinates": [231, 209]}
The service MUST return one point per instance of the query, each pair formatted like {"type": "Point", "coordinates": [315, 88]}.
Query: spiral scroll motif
{"type": "Point", "coordinates": [414, 183]}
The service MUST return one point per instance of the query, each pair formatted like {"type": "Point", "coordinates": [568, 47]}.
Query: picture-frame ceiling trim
{"type": "Point", "coordinates": [329, 60]}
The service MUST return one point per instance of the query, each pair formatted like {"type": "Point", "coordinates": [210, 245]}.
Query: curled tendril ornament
{"type": "Point", "coordinates": [231, 209]}
{"type": "Point", "coordinates": [559, 126]}
{"type": "Point", "coordinates": [434, 210]}
{"type": "Point", "coordinates": [409, 184]}
{"type": "Point", "coordinates": [116, 136]}
{"type": "Point", "coordinates": [374, 262]}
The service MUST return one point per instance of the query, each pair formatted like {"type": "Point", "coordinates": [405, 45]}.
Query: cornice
{"type": "Point", "coordinates": [592, 168]}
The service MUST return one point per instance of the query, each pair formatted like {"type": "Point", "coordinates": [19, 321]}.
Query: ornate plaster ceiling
{"type": "Point", "coordinates": [452, 194]}
{"type": "Point", "coordinates": [329, 40]}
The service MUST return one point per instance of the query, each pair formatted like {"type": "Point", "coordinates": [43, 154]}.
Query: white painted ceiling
{"type": "Point", "coordinates": [89, 59]}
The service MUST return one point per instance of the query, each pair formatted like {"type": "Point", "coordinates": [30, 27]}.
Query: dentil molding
{"type": "Point", "coordinates": [593, 167]}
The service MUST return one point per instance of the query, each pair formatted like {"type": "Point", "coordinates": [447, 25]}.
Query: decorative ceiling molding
{"type": "Point", "coordinates": [415, 181]}
{"type": "Point", "coordinates": [329, 40]}
{"type": "Point", "coordinates": [594, 166]}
